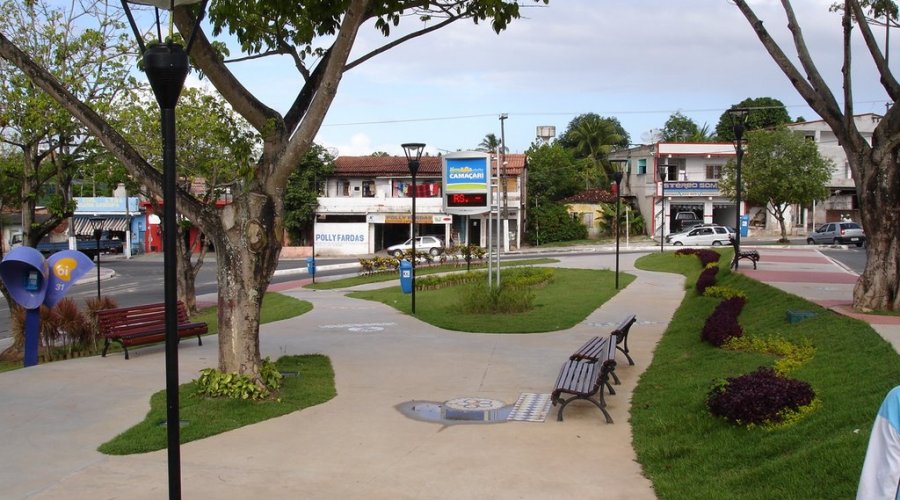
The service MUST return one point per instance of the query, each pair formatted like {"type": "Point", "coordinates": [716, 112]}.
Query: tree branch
{"type": "Point", "coordinates": [260, 116]}
{"type": "Point", "coordinates": [891, 86]}
{"type": "Point", "coordinates": [114, 142]}
{"type": "Point", "coordinates": [385, 48]}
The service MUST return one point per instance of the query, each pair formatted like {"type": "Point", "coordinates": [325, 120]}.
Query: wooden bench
{"type": "Point", "coordinates": [593, 346]}
{"type": "Point", "coordinates": [751, 255]}
{"type": "Point", "coordinates": [586, 379]}
{"type": "Point", "coordinates": [146, 324]}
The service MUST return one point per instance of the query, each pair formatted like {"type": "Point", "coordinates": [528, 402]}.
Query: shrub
{"type": "Point", "coordinates": [217, 384]}
{"type": "Point", "coordinates": [706, 279]}
{"type": "Point", "coordinates": [707, 257]}
{"type": "Point", "coordinates": [791, 355]}
{"type": "Point", "coordinates": [723, 292]}
{"type": "Point", "coordinates": [759, 398]}
{"type": "Point", "coordinates": [478, 298]}
{"type": "Point", "coordinates": [722, 324]}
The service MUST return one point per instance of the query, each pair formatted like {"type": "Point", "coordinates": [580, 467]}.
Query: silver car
{"type": "Point", "coordinates": [837, 233]}
{"type": "Point", "coordinates": [704, 235]}
{"type": "Point", "coordinates": [430, 244]}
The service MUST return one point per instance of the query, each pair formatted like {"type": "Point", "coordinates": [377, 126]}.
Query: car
{"type": "Point", "coordinates": [430, 244]}
{"type": "Point", "coordinates": [683, 233]}
{"type": "Point", "coordinates": [837, 233]}
{"type": "Point", "coordinates": [704, 235]}
{"type": "Point", "coordinates": [686, 219]}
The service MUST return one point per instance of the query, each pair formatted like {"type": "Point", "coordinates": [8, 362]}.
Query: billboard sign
{"type": "Point", "coordinates": [467, 178]}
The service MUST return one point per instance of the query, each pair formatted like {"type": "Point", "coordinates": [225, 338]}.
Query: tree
{"type": "Point", "coordinates": [592, 137]}
{"type": "Point", "coordinates": [302, 192]}
{"type": "Point", "coordinates": [765, 112]}
{"type": "Point", "coordinates": [552, 176]}
{"type": "Point", "coordinates": [874, 166]}
{"type": "Point", "coordinates": [680, 128]}
{"type": "Point", "coordinates": [490, 144]}
{"type": "Point", "coordinates": [53, 146]}
{"type": "Point", "coordinates": [247, 233]}
{"type": "Point", "coordinates": [780, 168]}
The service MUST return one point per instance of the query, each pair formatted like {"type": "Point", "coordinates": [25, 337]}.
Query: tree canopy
{"type": "Point", "coordinates": [680, 128]}
{"type": "Point", "coordinates": [780, 168]}
{"type": "Point", "coordinates": [765, 112]}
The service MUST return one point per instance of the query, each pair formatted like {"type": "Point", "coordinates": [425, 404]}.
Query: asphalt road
{"type": "Point", "coordinates": [140, 280]}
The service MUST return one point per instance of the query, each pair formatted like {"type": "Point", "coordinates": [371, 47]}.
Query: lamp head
{"type": "Point", "coordinates": [413, 152]}
{"type": "Point", "coordinates": [738, 121]}
{"type": "Point", "coordinates": [617, 173]}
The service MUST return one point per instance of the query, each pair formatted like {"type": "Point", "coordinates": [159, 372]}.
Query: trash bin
{"type": "Point", "coordinates": [406, 279]}
{"type": "Point", "coordinates": [745, 225]}
{"type": "Point", "coordinates": [311, 266]}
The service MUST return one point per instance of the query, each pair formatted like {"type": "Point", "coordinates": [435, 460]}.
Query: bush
{"type": "Point", "coordinates": [722, 324]}
{"type": "Point", "coordinates": [723, 292]}
{"type": "Point", "coordinates": [759, 398]}
{"type": "Point", "coordinates": [791, 356]}
{"type": "Point", "coordinates": [504, 299]}
{"type": "Point", "coordinates": [216, 384]}
{"type": "Point", "coordinates": [706, 279]}
{"type": "Point", "coordinates": [706, 257]}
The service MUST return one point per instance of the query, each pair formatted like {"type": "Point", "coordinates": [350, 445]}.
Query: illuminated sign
{"type": "Point", "coordinates": [466, 178]}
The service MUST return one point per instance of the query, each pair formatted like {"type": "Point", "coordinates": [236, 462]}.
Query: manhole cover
{"type": "Point", "coordinates": [459, 410]}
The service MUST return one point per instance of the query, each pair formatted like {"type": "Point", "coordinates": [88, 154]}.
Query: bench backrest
{"type": "Point", "coordinates": [622, 330]}
{"type": "Point", "coordinates": [136, 317]}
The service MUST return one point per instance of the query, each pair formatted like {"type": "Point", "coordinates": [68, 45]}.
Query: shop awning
{"type": "Point", "coordinates": [83, 226]}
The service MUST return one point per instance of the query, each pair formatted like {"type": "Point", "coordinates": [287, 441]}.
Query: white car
{"type": "Point", "coordinates": [704, 235]}
{"type": "Point", "coordinates": [430, 244]}
{"type": "Point", "coordinates": [686, 231]}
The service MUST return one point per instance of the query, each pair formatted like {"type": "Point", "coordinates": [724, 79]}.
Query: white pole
{"type": "Point", "coordinates": [127, 228]}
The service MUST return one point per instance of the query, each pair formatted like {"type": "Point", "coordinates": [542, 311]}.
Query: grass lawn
{"type": "Point", "coordinates": [313, 385]}
{"type": "Point", "coordinates": [688, 453]}
{"type": "Point", "coordinates": [276, 307]}
{"type": "Point", "coordinates": [561, 304]}
{"type": "Point", "coordinates": [420, 271]}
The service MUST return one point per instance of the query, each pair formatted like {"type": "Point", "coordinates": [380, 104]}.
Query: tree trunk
{"type": "Point", "coordinates": [29, 195]}
{"type": "Point", "coordinates": [878, 288]}
{"type": "Point", "coordinates": [247, 249]}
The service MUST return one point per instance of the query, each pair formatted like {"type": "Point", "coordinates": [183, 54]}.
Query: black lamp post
{"type": "Point", "coordinates": [663, 171]}
{"type": "Point", "coordinates": [166, 66]}
{"type": "Point", "coordinates": [413, 152]}
{"type": "Point", "coordinates": [738, 124]}
{"type": "Point", "coordinates": [617, 177]}
{"type": "Point", "coordinates": [97, 226]}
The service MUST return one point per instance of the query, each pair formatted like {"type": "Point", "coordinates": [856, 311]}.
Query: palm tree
{"type": "Point", "coordinates": [490, 144]}
{"type": "Point", "coordinates": [593, 138]}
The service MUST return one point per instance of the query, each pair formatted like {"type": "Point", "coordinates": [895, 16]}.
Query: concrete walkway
{"type": "Point", "coordinates": [359, 445]}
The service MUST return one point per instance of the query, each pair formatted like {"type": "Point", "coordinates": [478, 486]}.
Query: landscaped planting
{"type": "Point", "coordinates": [722, 325]}
{"type": "Point", "coordinates": [815, 452]}
{"type": "Point", "coordinates": [762, 397]}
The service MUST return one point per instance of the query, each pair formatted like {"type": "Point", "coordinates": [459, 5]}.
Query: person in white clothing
{"type": "Point", "coordinates": [880, 478]}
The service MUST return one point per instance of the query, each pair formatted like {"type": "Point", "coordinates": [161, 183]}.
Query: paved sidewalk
{"type": "Point", "coordinates": [357, 445]}
{"type": "Point", "coordinates": [808, 273]}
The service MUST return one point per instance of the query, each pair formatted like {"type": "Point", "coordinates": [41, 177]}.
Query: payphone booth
{"type": "Point", "coordinates": [33, 281]}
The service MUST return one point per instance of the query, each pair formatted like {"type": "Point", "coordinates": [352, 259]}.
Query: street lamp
{"type": "Point", "coordinates": [97, 225]}
{"type": "Point", "coordinates": [166, 66]}
{"type": "Point", "coordinates": [663, 172]}
{"type": "Point", "coordinates": [617, 177]}
{"type": "Point", "coordinates": [738, 125]}
{"type": "Point", "coordinates": [413, 152]}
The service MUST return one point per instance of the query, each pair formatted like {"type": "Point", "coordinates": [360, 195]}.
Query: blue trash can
{"type": "Point", "coordinates": [406, 279]}
{"type": "Point", "coordinates": [745, 225]}
{"type": "Point", "coordinates": [311, 266]}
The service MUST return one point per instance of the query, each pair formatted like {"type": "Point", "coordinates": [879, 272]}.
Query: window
{"type": "Point", "coordinates": [368, 189]}
{"type": "Point", "coordinates": [642, 167]}
{"type": "Point", "coordinates": [714, 171]}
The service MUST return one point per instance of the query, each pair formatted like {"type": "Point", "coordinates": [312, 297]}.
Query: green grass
{"type": "Point", "coordinates": [206, 417]}
{"type": "Point", "coordinates": [561, 304]}
{"type": "Point", "coordinates": [275, 307]}
{"type": "Point", "coordinates": [688, 453]}
{"type": "Point", "coordinates": [420, 271]}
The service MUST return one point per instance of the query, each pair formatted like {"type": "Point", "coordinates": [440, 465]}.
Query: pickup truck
{"type": "Point", "coordinates": [686, 220]}
{"type": "Point", "coordinates": [87, 247]}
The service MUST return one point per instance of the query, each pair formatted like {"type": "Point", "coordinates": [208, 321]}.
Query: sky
{"type": "Point", "coordinates": [639, 61]}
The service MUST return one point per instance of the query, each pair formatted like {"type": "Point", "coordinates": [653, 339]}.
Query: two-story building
{"type": "Point", "coordinates": [692, 173]}
{"type": "Point", "coordinates": [366, 205]}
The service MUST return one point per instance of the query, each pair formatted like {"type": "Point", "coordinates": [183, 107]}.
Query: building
{"type": "Point", "coordinates": [842, 201]}
{"type": "Point", "coordinates": [366, 205]}
{"type": "Point", "coordinates": [692, 173]}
